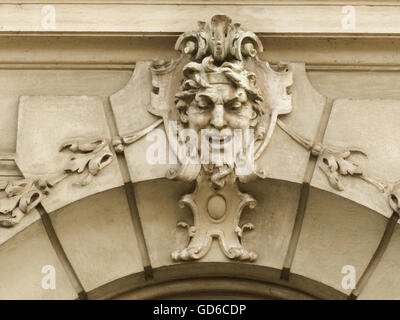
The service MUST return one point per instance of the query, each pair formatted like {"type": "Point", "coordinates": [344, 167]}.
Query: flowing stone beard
{"type": "Point", "coordinates": [223, 153]}
{"type": "Point", "coordinates": [225, 146]}
{"type": "Point", "coordinates": [219, 152]}
{"type": "Point", "coordinates": [215, 102]}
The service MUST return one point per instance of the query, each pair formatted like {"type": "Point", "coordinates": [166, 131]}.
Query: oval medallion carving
{"type": "Point", "coordinates": [216, 207]}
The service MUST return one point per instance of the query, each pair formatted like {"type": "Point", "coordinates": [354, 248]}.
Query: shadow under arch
{"type": "Point", "coordinates": [216, 280]}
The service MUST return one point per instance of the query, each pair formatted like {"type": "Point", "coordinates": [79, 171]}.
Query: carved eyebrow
{"type": "Point", "coordinates": [208, 97]}
{"type": "Point", "coordinates": [232, 101]}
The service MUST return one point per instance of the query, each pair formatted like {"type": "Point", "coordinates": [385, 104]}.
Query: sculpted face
{"type": "Point", "coordinates": [220, 109]}
{"type": "Point", "coordinates": [219, 104]}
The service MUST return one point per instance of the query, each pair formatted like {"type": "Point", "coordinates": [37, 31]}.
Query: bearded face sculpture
{"type": "Point", "coordinates": [218, 97]}
{"type": "Point", "coordinates": [211, 91]}
{"type": "Point", "coordinates": [217, 102]}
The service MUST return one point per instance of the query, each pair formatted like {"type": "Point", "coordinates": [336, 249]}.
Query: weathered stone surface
{"type": "Point", "coordinates": [45, 124]}
{"type": "Point", "coordinates": [7, 233]}
{"type": "Point", "coordinates": [273, 219]}
{"type": "Point", "coordinates": [220, 85]}
{"type": "Point", "coordinates": [372, 126]}
{"type": "Point", "coordinates": [37, 82]}
{"type": "Point", "coordinates": [157, 202]}
{"type": "Point", "coordinates": [284, 158]}
{"type": "Point", "coordinates": [340, 227]}
{"type": "Point", "coordinates": [336, 232]}
{"type": "Point", "coordinates": [23, 257]}
{"type": "Point", "coordinates": [385, 281]}
{"type": "Point", "coordinates": [19, 199]}
{"type": "Point", "coordinates": [130, 109]}
{"type": "Point", "coordinates": [305, 19]}
{"type": "Point", "coordinates": [98, 237]}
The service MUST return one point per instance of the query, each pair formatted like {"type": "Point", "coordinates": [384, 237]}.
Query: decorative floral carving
{"type": "Point", "coordinates": [214, 215]}
{"type": "Point", "coordinates": [390, 190]}
{"type": "Point", "coordinates": [216, 85]}
{"type": "Point", "coordinates": [22, 196]}
{"type": "Point", "coordinates": [221, 39]}
{"type": "Point", "coordinates": [220, 95]}
{"type": "Point", "coordinates": [336, 163]}
{"type": "Point", "coordinates": [90, 156]}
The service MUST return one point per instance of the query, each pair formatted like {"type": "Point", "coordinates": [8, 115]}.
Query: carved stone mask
{"type": "Point", "coordinates": [223, 98]}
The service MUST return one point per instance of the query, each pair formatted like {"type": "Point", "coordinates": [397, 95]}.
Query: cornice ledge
{"type": "Point", "coordinates": [162, 18]}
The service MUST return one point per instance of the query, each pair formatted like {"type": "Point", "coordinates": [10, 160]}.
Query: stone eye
{"type": "Point", "coordinates": [203, 104]}
{"type": "Point", "coordinates": [234, 105]}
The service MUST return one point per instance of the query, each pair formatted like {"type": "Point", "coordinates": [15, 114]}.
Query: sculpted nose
{"type": "Point", "coordinates": [218, 120]}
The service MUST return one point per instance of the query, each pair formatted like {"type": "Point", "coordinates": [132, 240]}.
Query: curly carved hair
{"type": "Point", "coordinates": [196, 78]}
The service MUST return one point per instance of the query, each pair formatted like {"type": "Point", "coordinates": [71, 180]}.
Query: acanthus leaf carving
{"type": "Point", "coordinates": [219, 73]}
{"type": "Point", "coordinates": [336, 163]}
{"type": "Point", "coordinates": [23, 195]}
{"type": "Point", "coordinates": [90, 156]}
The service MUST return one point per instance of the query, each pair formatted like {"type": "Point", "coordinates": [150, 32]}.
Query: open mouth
{"type": "Point", "coordinates": [219, 139]}
{"type": "Point", "coordinates": [219, 142]}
